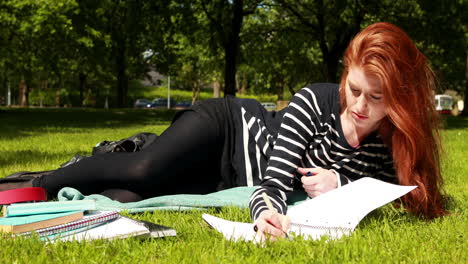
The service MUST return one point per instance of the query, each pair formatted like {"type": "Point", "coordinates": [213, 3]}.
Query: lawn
{"type": "Point", "coordinates": [42, 139]}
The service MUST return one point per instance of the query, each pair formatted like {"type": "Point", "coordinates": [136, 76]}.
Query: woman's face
{"type": "Point", "coordinates": [364, 100]}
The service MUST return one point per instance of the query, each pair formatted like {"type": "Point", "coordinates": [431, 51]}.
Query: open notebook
{"type": "Point", "coordinates": [335, 213]}
{"type": "Point", "coordinates": [120, 227]}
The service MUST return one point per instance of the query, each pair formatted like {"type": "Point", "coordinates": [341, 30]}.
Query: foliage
{"type": "Point", "coordinates": [85, 51]}
{"type": "Point", "coordinates": [32, 33]}
{"type": "Point", "coordinates": [276, 54]}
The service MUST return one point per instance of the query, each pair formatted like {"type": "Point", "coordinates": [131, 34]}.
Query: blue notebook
{"type": "Point", "coordinates": [48, 207]}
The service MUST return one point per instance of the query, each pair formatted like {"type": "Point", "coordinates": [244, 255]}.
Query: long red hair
{"type": "Point", "coordinates": [410, 129]}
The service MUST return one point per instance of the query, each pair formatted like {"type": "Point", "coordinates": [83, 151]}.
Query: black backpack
{"type": "Point", "coordinates": [131, 144]}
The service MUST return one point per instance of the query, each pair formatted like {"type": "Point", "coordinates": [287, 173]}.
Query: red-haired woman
{"type": "Point", "coordinates": [385, 126]}
{"type": "Point", "coordinates": [379, 122]}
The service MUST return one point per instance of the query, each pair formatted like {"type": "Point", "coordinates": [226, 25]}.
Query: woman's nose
{"type": "Point", "coordinates": [362, 103]}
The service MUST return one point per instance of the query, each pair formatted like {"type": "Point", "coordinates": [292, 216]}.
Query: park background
{"type": "Point", "coordinates": [86, 53]}
{"type": "Point", "coordinates": [69, 56]}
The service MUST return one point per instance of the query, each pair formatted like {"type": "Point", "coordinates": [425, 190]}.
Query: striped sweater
{"type": "Point", "coordinates": [310, 135]}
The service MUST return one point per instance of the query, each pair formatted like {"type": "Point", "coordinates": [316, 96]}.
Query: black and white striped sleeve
{"type": "Point", "coordinates": [375, 161]}
{"type": "Point", "coordinates": [300, 123]}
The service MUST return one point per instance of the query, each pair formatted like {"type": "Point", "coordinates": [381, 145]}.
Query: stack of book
{"type": "Point", "coordinates": [74, 220]}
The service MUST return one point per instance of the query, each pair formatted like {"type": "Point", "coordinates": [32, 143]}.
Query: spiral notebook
{"type": "Point", "coordinates": [121, 227]}
{"type": "Point", "coordinates": [90, 220]}
{"type": "Point", "coordinates": [334, 214]}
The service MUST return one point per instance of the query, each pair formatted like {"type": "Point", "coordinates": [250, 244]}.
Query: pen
{"type": "Point", "coordinates": [307, 175]}
{"type": "Point", "coordinates": [270, 207]}
{"type": "Point", "coordinates": [268, 202]}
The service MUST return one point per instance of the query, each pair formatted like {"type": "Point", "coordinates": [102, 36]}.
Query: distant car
{"type": "Point", "coordinates": [161, 103]}
{"type": "Point", "coordinates": [183, 104]}
{"type": "Point", "coordinates": [444, 103]}
{"type": "Point", "coordinates": [141, 103]}
{"type": "Point", "coordinates": [269, 106]}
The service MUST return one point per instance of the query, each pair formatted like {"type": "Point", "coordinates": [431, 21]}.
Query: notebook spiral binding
{"type": "Point", "coordinates": [334, 228]}
{"type": "Point", "coordinates": [89, 221]}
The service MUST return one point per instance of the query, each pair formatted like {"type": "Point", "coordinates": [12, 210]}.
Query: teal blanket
{"type": "Point", "coordinates": [238, 196]}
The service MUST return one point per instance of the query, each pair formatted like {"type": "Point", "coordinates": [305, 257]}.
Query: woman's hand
{"type": "Point", "coordinates": [271, 225]}
{"type": "Point", "coordinates": [321, 180]}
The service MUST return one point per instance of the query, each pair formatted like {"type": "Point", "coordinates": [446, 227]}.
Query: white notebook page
{"type": "Point", "coordinates": [346, 206]}
{"type": "Point", "coordinates": [335, 213]}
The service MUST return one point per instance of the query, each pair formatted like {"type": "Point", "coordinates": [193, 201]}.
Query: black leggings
{"type": "Point", "coordinates": [185, 158]}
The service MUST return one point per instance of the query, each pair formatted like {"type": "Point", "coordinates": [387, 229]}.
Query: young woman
{"type": "Point", "coordinates": [379, 122]}
{"type": "Point", "coordinates": [384, 126]}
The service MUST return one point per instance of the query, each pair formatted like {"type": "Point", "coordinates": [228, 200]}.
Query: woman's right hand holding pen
{"type": "Point", "coordinates": [322, 180]}
{"type": "Point", "coordinates": [271, 225]}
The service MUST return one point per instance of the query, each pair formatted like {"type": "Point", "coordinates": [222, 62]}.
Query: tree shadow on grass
{"type": "Point", "coordinates": [22, 158]}
{"type": "Point", "coordinates": [454, 122]}
{"type": "Point", "coordinates": [21, 122]}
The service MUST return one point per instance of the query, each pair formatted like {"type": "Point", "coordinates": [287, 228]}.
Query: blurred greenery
{"type": "Point", "coordinates": [183, 95]}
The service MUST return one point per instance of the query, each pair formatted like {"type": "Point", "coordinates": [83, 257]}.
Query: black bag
{"type": "Point", "coordinates": [131, 144]}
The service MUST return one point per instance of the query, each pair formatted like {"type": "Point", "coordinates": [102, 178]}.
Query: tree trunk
{"type": "Point", "coordinates": [331, 56]}
{"type": "Point", "coordinates": [241, 82]}
{"type": "Point", "coordinates": [331, 69]}
{"type": "Point", "coordinates": [333, 51]}
{"type": "Point", "coordinates": [122, 78]}
{"type": "Point", "coordinates": [230, 68]}
{"type": "Point", "coordinates": [44, 88]}
{"type": "Point", "coordinates": [465, 100]}
{"type": "Point", "coordinates": [238, 83]}
{"type": "Point", "coordinates": [280, 87]}
{"type": "Point", "coordinates": [231, 49]}
{"type": "Point", "coordinates": [82, 86]}
{"type": "Point", "coordinates": [243, 89]}
{"type": "Point", "coordinates": [122, 88]}
{"type": "Point", "coordinates": [23, 93]}
{"type": "Point", "coordinates": [58, 92]}
{"type": "Point", "coordinates": [290, 88]}
{"type": "Point", "coordinates": [57, 98]}
{"type": "Point", "coordinates": [195, 91]}
{"type": "Point", "coordinates": [216, 88]}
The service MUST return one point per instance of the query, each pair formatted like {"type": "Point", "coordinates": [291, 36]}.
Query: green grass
{"type": "Point", "coordinates": [183, 95]}
{"type": "Point", "coordinates": [42, 139]}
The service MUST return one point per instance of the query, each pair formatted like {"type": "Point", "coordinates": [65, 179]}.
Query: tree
{"type": "Point", "coordinates": [444, 35]}
{"type": "Point", "coordinates": [278, 55]}
{"type": "Point", "coordinates": [225, 20]}
{"type": "Point", "coordinates": [183, 47]}
{"type": "Point", "coordinates": [89, 54]}
{"type": "Point", "coordinates": [270, 45]}
{"type": "Point", "coordinates": [125, 26]}
{"type": "Point", "coordinates": [331, 24]}
{"type": "Point", "coordinates": [33, 32]}
{"type": "Point", "coordinates": [439, 28]}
